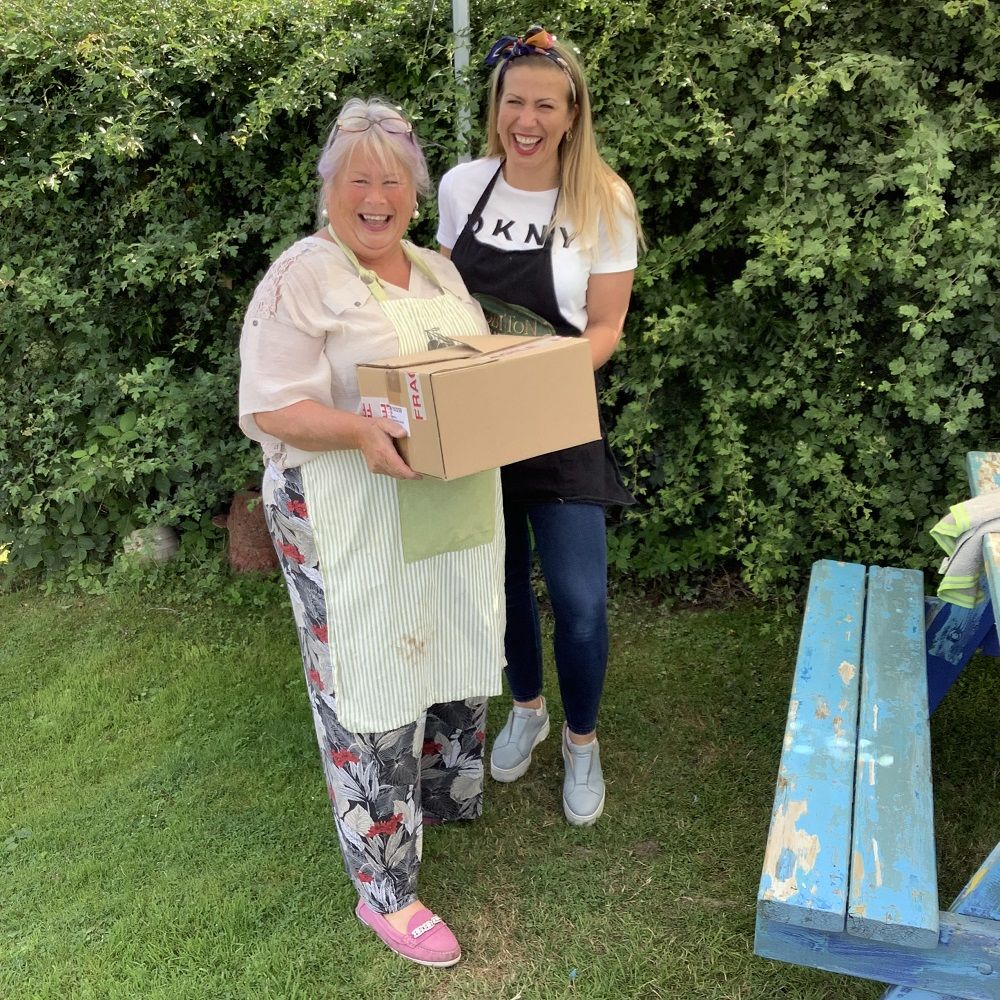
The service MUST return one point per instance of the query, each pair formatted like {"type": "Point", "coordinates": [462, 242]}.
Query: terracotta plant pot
{"type": "Point", "coordinates": [250, 547]}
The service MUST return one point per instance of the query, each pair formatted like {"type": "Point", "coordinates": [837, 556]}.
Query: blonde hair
{"type": "Point", "coordinates": [589, 190]}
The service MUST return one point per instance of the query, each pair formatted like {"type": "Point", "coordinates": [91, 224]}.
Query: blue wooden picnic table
{"type": "Point", "coordinates": [849, 881]}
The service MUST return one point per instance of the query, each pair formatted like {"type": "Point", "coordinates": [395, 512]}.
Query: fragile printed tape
{"type": "Point", "coordinates": [375, 406]}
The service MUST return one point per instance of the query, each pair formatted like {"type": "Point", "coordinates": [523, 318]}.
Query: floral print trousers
{"type": "Point", "coordinates": [383, 787]}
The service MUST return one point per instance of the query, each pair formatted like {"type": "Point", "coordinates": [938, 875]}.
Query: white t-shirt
{"type": "Point", "coordinates": [516, 220]}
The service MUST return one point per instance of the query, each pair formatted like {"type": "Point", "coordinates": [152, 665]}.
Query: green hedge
{"type": "Point", "coordinates": [813, 332]}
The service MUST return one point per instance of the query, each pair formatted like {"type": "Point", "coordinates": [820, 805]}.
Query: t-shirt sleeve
{"type": "Point", "coordinates": [448, 212]}
{"type": "Point", "coordinates": [614, 256]}
{"type": "Point", "coordinates": [282, 347]}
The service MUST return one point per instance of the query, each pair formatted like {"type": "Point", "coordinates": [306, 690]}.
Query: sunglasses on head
{"type": "Point", "coordinates": [359, 123]}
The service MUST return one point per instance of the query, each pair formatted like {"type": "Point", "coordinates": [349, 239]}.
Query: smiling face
{"type": "Point", "coordinates": [533, 115]}
{"type": "Point", "coordinates": [369, 204]}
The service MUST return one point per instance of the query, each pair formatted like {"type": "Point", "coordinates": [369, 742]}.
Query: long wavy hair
{"type": "Point", "coordinates": [589, 190]}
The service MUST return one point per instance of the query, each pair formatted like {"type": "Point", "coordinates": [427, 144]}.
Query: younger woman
{"type": "Point", "coordinates": [543, 223]}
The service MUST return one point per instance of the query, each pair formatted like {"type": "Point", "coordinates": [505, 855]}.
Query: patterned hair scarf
{"type": "Point", "coordinates": [536, 42]}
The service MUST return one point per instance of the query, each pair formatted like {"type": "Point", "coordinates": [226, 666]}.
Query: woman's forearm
{"type": "Point", "coordinates": [603, 341]}
{"type": "Point", "coordinates": [310, 426]}
{"type": "Point", "coordinates": [607, 304]}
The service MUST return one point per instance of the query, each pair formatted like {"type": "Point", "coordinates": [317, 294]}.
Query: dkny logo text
{"type": "Point", "coordinates": [506, 230]}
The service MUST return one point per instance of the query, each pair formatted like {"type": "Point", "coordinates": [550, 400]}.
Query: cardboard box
{"type": "Point", "coordinates": [485, 403]}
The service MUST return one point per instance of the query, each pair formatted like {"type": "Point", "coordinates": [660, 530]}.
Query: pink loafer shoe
{"type": "Point", "coordinates": [428, 939]}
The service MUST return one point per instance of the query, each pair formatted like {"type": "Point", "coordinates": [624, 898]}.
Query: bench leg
{"type": "Point", "coordinates": [953, 636]}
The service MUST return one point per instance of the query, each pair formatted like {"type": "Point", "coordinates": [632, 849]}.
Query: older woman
{"type": "Point", "coordinates": [400, 650]}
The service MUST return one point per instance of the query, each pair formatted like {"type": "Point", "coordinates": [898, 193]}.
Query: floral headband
{"type": "Point", "coordinates": [536, 42]}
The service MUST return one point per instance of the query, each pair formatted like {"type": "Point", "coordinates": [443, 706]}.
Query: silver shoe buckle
{"type": "Point", "coordinates": [425, 927]}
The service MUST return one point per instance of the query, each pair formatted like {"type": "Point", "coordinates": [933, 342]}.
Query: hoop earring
{"type": "Point", "coordinates": [569, 134]}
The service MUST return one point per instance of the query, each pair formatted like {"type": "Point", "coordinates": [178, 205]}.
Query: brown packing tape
{"type": "Point", "coordinates": [395, 387]}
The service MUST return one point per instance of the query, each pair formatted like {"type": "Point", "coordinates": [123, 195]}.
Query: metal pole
{"type": "Point", "coordinates": [460, 27]}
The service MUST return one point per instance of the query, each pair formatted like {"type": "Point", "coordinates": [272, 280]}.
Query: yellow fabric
{"type": "Point", "coordinates": [437, 516]}
{"type": "Point", "coordinates": [960, 533]}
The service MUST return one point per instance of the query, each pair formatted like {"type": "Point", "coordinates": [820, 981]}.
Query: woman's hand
{"type": "Point", "coordinates": [376, 443]}
{"type": "Point", "coordinates": [313, 427]}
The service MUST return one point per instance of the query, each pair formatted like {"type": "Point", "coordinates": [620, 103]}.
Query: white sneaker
{"type": "Point", "coordinates": [583, 786]}
{"type": "Point", "coordinates": [524, 730]}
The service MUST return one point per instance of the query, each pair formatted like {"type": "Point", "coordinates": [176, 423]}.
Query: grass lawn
{"type": "Point", "coordinates": [167, 834]}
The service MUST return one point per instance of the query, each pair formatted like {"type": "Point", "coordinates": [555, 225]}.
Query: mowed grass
{"type": "Point", "coordinates": [167, 833]}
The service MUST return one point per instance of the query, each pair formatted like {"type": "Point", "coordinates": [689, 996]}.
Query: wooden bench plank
{"type": "Point", "coordinates": [805, 874]}
{"type": "Point", "coordinates": [894, 933]}
{"type": "Point", "coordinates": [893, 894]}
{"type": "Point", "coordinates": [964, 964]}
{"type": "Point", "coordinates": [983, 469]}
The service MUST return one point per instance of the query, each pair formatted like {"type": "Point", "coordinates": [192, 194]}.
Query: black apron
{"type": "Point", "coordinates": [523, 278]}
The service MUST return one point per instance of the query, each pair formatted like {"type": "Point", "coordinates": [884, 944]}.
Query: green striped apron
{"type": "Point", "coordinates": [403, 635]}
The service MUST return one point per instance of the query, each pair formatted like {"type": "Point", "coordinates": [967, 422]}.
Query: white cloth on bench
{"type": "Point", "coordinates": [960, 533]}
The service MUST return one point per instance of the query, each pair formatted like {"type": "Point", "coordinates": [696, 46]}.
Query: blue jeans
{"type": "Point", "coordinates": [571, 542]}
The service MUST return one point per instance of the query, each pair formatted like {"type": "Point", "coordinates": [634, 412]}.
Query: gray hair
{"type": "Point", "coordinates": [387, 148]}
